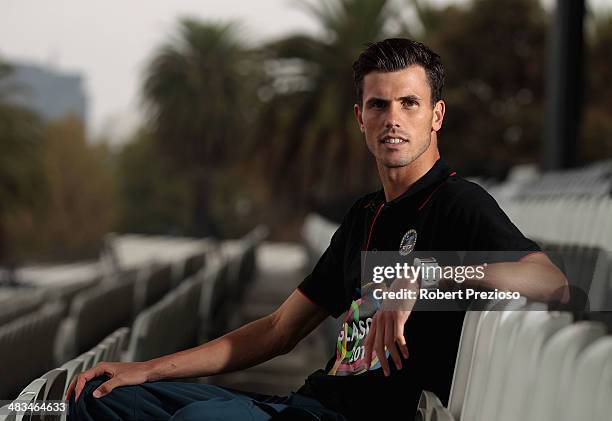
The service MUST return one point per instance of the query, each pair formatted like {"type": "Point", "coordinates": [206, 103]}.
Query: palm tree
{"type": "Point", "coordinates": [199, 89]}
{"type": "Point", "coordinates": [307, 132]}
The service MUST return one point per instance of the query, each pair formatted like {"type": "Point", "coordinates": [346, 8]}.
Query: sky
{"type": "Point", "coordinates": [109, 42]}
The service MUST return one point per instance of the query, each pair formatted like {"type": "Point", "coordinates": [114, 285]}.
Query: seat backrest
{"type": "Point", "coordinates": [100, 311]}
{"type": "Point", "coordinates": [602, 282]}
{"type": "Point", "coordinates": [465, 353]}
{"type": "Point", "coordinates": [193, 264]}
{"type": "Point", "coordinates": [33, 392]}
{"type": "Point", "coordinates": [26, 348]}
{"type": "Point", "coordinates": [603, 405]}
{"type": "Point", "coordinates": [55, 382]}
{"type": "Point", "coordinates": [481, 358]}
{"type": "Point", "coordinates": [464, 361]}
{"type": "Point", "coordinates": [73, 368]}
{"type": "Point", "coordinates": [556, 370]}
{"type": "Point", "coordinates": [503, 347]}
{"type": "Point", "coordinates": [535, 330]}
{"type": "Point", "coordinates": [582, 401]}
{"type": "Point", "coordinates": [152, 286]}
{"type": "Point", "coordinates": [169, 325]}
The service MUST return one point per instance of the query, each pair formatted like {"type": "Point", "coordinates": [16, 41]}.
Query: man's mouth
{"type": "Point", "coordinates": [393, 140]}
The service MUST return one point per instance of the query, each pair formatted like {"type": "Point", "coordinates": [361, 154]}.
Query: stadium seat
{"type": "Point", "coordinates": [582, 402]}
{"type": "Point", "coordinates": [26, 346]}
{"type": "Point", "coordinates": [151, 286]}
{"type": "Point", "coordinates": [557, 367]}
{"type": "Point", "coordinates": [91, 318]}
{"type": "Point", "coordinates": [535, 330]}
{"type": "Point", "coordinates": [55, 384]}
{"type": "Point", "coordinates": [167, 326]}
{"type": "Point", "coordinates": [33, 392]}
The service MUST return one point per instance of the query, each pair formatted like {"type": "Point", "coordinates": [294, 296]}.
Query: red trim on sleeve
{"type": "Point", "coordinates": [532, 253]}
{"type": "Point", "coordinates": [307, 297]}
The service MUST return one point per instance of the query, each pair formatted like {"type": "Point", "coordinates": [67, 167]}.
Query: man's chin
{"type": "Point", "coordinates": [396, 163]}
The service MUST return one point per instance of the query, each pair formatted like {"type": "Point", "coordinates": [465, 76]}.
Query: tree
{"type": "Point", "coordinates": [200, 92]}
{"type": "Point", "coordinates": [155, 199]}
{"type": "Point", "coordinates": [308, 141]}
{"type": "Point", "coordinates": [597, 127]}
{"type": "Point", "coordinates": [494, 52]}
{"type": "Point", "coordinates": [21, 177]}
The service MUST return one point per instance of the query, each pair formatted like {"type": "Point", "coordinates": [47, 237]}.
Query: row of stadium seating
{"type": "Point", "coordinates": [51, 387]}
{"type": "Point", "coordinates": [519, 361]}
{"type": "Point", "coordinates": [185, 315]}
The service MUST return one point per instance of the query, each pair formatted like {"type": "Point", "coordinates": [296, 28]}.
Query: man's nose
{"type": "Point", "coordinates": [392, 118]}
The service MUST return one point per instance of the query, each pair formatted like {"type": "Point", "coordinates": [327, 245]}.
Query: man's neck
{"type": "Point", "coordinates": [396, 181]}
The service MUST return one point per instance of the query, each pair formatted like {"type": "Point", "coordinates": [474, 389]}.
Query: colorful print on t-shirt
{"type": "Point", "coordinates": [350, 348]}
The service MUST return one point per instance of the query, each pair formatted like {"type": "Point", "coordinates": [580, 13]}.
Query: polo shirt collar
{"type": "Point", "coordinates": [438, 172]}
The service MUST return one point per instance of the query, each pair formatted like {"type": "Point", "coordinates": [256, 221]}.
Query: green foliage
{"type": "Point", "coordinates": [597, 127]}
{"type": "Point", "coordinates": [494, 53]}
{"type": "Point", "coordinates": [154, 199]}
{"type": "Point", "coordinates": [80, 205]}
{"type": "Point", "coordinates": [200, 92]}
{"type": "Point", "coordinates": [309, 143]}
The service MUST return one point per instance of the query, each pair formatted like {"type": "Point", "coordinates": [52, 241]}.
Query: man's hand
{"type": "Point", "coordinates": [387, 330]}
{"type": "Point", "coordinates": [121, 374]}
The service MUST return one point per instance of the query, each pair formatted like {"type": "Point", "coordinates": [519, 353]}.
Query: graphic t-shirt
{"type": "Point", "coordinates": [442, 211]}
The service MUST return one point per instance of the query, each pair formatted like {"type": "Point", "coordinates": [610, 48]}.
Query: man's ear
{"type": "Point", "coordinates": [359, 117]}
{"type": "Point", "coordinates": [438, 115]}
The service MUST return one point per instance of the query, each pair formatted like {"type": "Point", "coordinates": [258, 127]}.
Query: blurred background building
{"type": "Point", "coordinates": [49, 93]}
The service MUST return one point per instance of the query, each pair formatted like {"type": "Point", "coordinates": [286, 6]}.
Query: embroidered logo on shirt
{"type": "Point", "coordinates": [408, 242]}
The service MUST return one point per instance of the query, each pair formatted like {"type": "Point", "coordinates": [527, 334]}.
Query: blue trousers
{"type": "Point", "coordinates": [191, 401]}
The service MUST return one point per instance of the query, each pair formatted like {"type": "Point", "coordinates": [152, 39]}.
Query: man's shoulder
{"type": "Point", "coordinates": [462, 192]}
{"type": "Point", "coordinates": [372, 199]}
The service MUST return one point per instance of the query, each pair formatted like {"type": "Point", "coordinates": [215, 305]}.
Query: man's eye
{"type": "Point", "coordinates": [378, 104]}
{"type": "Point", "coordinates": [409, 103]}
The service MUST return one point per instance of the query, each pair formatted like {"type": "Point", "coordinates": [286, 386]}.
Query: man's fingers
{"type": "Point", "coordinates": [106, 387]}
{"type": "Point", "coordinates": [86, 376]}
{"type": "Point", "coordinates": [369, 343]}
{"type": "Point", "coordinates": [401, 341]}
{"type": "Point", "coordinates": [71, 388]}
{"type": "Point", "coordinates": [379, 346]}
{"type": "Point", "coordinates": [390, 341]}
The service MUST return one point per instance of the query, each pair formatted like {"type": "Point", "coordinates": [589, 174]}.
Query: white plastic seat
{"type": "Point", "coordinates": [73, 368]}
{"type": "Point", "coordinates": [169, 325]}
{"type": "Point", "coordinates": [33, 392]}
{"type": "Point", "coordinates": [536, 328]}
{"type": "Point", "coordinates": [603, 402]}
{"type": "Point", "coordinates": [88, 359]}
{"type": "Point", "coordinates": [557, 368]}
{"type": "Point", "coordinates": [503, 348]}
{"type": "Point", "coordinates": [479, 367]}
{"type": "Point", "coordinates": [441, 414]}
{"type": "Point", "coordinates": [26, 348]}
{"type": "Point", "coordinates": [56, 381]}
{"type": "Point", "coordinates": [581, 403]}
{"type": "Point", "coordinates": [92, 318]}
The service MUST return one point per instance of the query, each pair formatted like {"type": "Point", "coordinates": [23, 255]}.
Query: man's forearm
{"type": "Point", "coordinates": [245, 347]}
{"type": "Point", "coordinates": [533, 280]}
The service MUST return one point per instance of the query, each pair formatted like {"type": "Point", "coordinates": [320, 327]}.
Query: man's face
{"type": "Point", "coordinates": [397, 116]}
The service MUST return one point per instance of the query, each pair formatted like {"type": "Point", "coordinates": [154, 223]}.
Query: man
{"type": "Point", "coordinates": [423, 206]}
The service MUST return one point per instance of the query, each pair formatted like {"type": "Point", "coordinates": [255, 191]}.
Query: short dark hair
{"type": "Point", "coordinates": [394, 54]}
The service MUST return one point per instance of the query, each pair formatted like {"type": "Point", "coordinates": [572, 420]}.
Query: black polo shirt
{"type": "Point", "coordinates": [448, 213]}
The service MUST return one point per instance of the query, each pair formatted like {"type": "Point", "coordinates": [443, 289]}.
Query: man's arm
{"type": "Point", "coordinates": [252, 344]}
{"type": "Point", "coordinates": [534, 277]}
